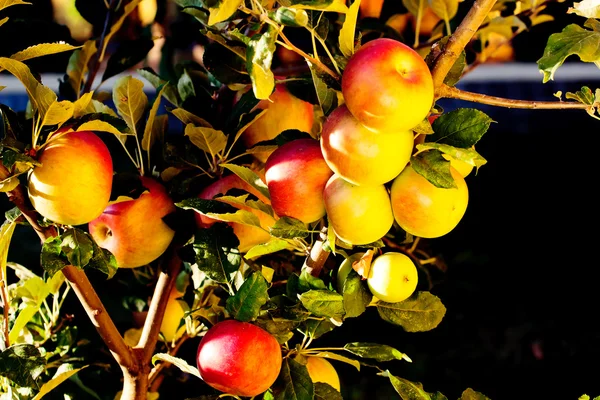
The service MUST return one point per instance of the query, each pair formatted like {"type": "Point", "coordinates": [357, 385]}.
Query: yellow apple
{"type": "Point", "coordinates": [393, 277]}
{"type": "Point", "coordinates": [424, 210]}
{"type": "Point", "coordinates": [321, 370]}
{"type": "Point", "coordinates": [174, 313]}
{"type": "Point", "coordinates": [358, 214]}
{"type": "Point", "coordinates": [387, 86]}
{"type": "Point", "coordinates": [133, 230]}
{"type": "Point", "coordinates": [74, 182]}
{"type": "Point", "coordinates": [361, 156]}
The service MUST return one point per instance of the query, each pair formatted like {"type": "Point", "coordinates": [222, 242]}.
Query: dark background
{"type": "Point", "coordinates": [521, 285]}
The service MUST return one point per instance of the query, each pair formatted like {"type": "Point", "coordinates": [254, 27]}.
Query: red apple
{"type": "Point", "coordinates": [296, 174]}
{"type": "Point", "coordinates": [74, 182]}
{"type": "Point", "coordinates": [249, 236]}
{"type": "Point", "coordinates": [387, 86]}
{"type": "Point", "coordinates": [239, 358]}
{"type": "Point", "coordinates": [285, 111]}
{"type": "Point", "coordinates": [133, 230]}
{"type": "Point", "coordinates": [361, 156]}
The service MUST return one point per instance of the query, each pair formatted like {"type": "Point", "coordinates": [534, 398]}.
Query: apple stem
{"type": "Point", "coordinates": [318, 255]}
{"type": "Point", "coordinates": [459, 40]}
{"type": "Point", "coordinates": [454, 93]}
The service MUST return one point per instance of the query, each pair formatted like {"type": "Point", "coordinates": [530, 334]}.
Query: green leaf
{"type": "Point", "coordinates": [379, 352]}
{"type": "Point", "coordinates": [289, 17]}
{"type": "Point", "coordinates": [209, 140]}
{"type": "Point", "coordinates": [250, 177]}
{"type": "Point", "coordinates": [328, 99]}
{"type": "Point", "coordinates": [103, 260]}
{"type": "Point", "coordinates": [406, 389]}
{"type": "Point", "coordinates": [50, 256]}
{"type": "Point", "coordinates": [323, 303]}
{"type": "Point", "coordinates": [216, 251]}
{"type": "Point", "coordinates": [169, 91]}
{"type": "Point", "coordinates": [178, 362]}
{"type": "Point", "coordinates": [470, 156]}
{"type": "Point", "coordinates": [77, 66]}
{"type": "Point", "coordinates": [130, 99]}
{"type": "Point", "coordinates": [585, 96]}
{"type": "Point", "coordinates": [434, 167]}
{"type": "Point", "coordinates": [226, 66]}
{"type": "Point", "coordinates": [154, 130]}
{"type": "Point", "coordinates": [315, 328]}
{"type": "Point", "coordinates": [63, 372]}
{"type": "Point", "coordinates": [77, 246]}
{"type": "Point", "coordinates": [289, 228]}
{"type": "Point", "coordinates": [415, 7]}
{"type": "Point", "coordinates": [421, 312]}
{"type": "Point", "coordinates": [586, 8]}
{"type": "Point", "coordinates": [307, 282]}
{"type": "Point", "coordinates": [185, 86]}
{"type": "Point", "coordinates": [462, 127]}
{"type": "Point", "coordinates": [573, 40]}
{"type": "Point", "coordinates": [245, 305]}
{"type": "Point", "coordinates": [293, 382]}
{"type": "Point", "coordinates": [281, 328]}
{"type": "Point", "coordinates": [346, 38]}
{"type": "Point", "coordinates": [272, 246]}
{"type": "Point", "coordinates": [445, 9]}
{"type": "Point", "coordinates": [356, 294]}
{"type": "Point", "coordinates": [206, 207]}
{"type": "Point", "coordinates": [470, 394]}
{"type": "Point", "coordinates": [324, 391]}
{"type": "Point", "coordinates": [22, 364]}
{"type": "Point", "coordinates": [188, 118]}
{"type": "Point", "coordinates": [224, 10]}
{"type": "Point", "coordinates": [259, 56]}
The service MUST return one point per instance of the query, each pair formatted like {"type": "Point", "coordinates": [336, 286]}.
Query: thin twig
{"type": "Point", "coordinates": [459, 40]}
{"type": "Point", "coordinates": [454, 93]}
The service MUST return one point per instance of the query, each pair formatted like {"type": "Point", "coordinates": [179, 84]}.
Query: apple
{"type": "Point", "coordinates": [285, 111]}
{"type": "Point", "coordinates": [248, 235]}
{"type": "Point", "coordinates": [296, 174]}
{"type": "Point", "coordinates": [345, 268]}
{"type": "Point", "coordinates": [358, 214]}
{"type": "Point", "coordinates": [74, 182]}
{"type": "Point", "coordinates": [133, 230]}
{"type": "Point", "coordinates": [429, 21]}
{"type": "Point", "coordinates": [321, 370]}
{"type": "Point", "coordinates": [424, 210]}
{"type": "Point", "coordinates": [239, 358]}
{"type": "Point", "coordinates": [147, 10]}
{"type": "Point", "coordinates": [393, 277]}
{"type": "Point", "coordinates": [387, 86]}
{"type": "Point", "coordinates": [174, 313]}
{"type": "Point", "coordinates": [361, 156]}
{"type": "Point", "coordinates": [370, 8]}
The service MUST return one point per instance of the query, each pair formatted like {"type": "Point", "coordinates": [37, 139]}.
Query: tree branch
{"type": "Point", "coordinates": [459, 40]}
{"type": "Point", "coordinates": [158, 304]}
{"type": "Point", "coordinates": [454, 93]}
{"type": "Point", "coordinates": [318, 255]}
{"type": "Point", "coordinates": [81, 286]}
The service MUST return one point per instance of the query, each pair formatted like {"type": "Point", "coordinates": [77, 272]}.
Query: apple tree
{"type": "Point", "coordinates": [277, 184]}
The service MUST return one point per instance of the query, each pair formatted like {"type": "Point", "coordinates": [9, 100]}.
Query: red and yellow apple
{"type": "Point", "coordinates": [425, 210]}
{"type": "Point", "coordinates": [248, 235]}
{"type": "Point", "coordinates": [174, 313]}
{"type": "Point", "coordinates": [358, 214]}
{"type": "Point", "coordinates": [393, 277]}
{"type": "Point", "coordinates": [361, 156]}
{"type": "Point", "coordinates": [285, 111]}
{"type": "Point", "coordinates": [387, 86]}
{"type": "Point", "coordinates": [370, 8]}
{"type": "Point", "coordinates": [321, 370]}
{"type": "Point", "coordinates": [133, 230]}
{"type": "Point", "coordinates": [74, 182]}
{"type": "Point", "coordinates": [239, 358]}
{"type": "Point", "coordinates": [296, 174]}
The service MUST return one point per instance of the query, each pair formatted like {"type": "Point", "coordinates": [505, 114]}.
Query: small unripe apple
{"type": "Point", "coordinates": [248, 235]}
{"type": "Point", "coordinates": [425, 210]}
{"type": "Point", "coordinates": [387, 86]}
{"type": "Point", "coordinates": [361, 156]}
{"type": "Point", "coordinates": [296, 174]}
{"type": "Point", "coordinates": [285, 112]}
{"type": "Point", "coordinates": [321, 370]}
{"type": "Point", "coordinates": [393, 277]}
{"type": "Point", "coordinates": [239, 358]}
{"type": "Point", "coordinates": [358, 214]}
{"type": "Point", "coordinates": [74, 182]}
{"type": "Point", "coordinates": [133, 230]}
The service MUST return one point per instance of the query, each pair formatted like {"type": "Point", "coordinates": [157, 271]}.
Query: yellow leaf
{"type": "Point", "coordinates": [58, 113]}
{"type": "Point", "coordinates": [188, 118]}
{"type": "Point", "coordinates": [100, 107]}
{"type": "Point", "coordinates": [169, 173]}
{"type": "Point", "coordinates": [209, 140]}
{"type": "Point", "coordinates": [42, 49]}
{"type": "Point", "coordinates": [3, 21]}
{"type": "Point", "coordinates": [267, 273]}
{"type": "Point", "coordinates": [346, 37]}
{"type": "Point", "coordinates": [6, 231]}
{"type": "Point", "coordinates": [117, 25]}
{"type": "Point", "coordinates": [59, 377]}
{"type": "Point", "coordinates": [83, 105]}
{"type": "Point", "coordinates": [225, 10]}
{"type": "Point", "coordinates": [338, 6]}
{"type": "Point", "coordinates": [78, 62]}
{"type": "Point", "coordinates": [7, 3]}
{"type": "Point", "coordinates": [148, 138]}
{"type": "Point", "coordinates": [98, 125]}
{"type": "Point", "coordinates": [243, 128]}
{"type": "Point", "coordinates": [9, 184]}
{"type": "Point", "coordinates": [130, 100]}
{"type": "Point", "coordinates": [40, 96]}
